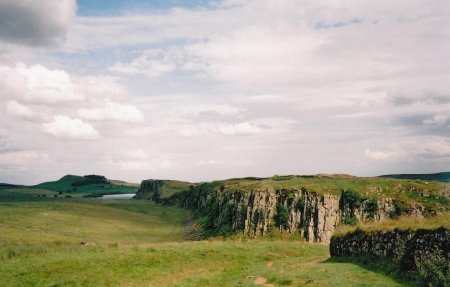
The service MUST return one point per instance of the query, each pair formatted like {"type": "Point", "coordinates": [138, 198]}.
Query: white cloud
{"type": "Point", "coordinates": [379, 155]}
{"type": "Point", "coordinates": [16, 109]}
{"type": "Point", "coordinates": [66, 127]}
{"type": "Point", "coordinates": [35, 22]}
{"type": "Point", "coordinates": [204, 109]}
{"type": "Point", "coordinates": [37, 84]}
{"type": "Point", "coordinates": [244, 128]}
{"type": "Point", "coordinates": [113, 111]}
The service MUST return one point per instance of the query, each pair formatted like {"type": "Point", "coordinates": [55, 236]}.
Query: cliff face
{"type": "Point", "coordinates": [309, 206]}
{"type": "Point", "coordinates": [313, 216]}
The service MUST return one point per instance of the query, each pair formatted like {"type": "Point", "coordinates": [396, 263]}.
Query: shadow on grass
{"type": "Point", "coordinates": [378, 265]}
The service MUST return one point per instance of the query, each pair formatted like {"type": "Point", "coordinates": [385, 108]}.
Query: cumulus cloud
{"type": "Point", "coordinates": [66, 127]}
{"type": "Point", "coordinates": [40, 22]}
{"type": "Point", "coordinates": [38, 84]}
{"type": "Point", "coordinates": [113, 111]}
{"type": "Point", "coordinates": [227, 129]}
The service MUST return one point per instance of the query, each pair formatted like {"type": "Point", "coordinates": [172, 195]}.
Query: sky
{"type": "Point", "coordinates": [202, 90]}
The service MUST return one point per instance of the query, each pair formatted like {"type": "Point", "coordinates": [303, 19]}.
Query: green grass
{"type": "Point", "coordinates": [73, 221]}
{"type": "Point", "coordinates": [140, 244]}
{"type": "Point", "coordinates": [171, 187]}
{"type": "Point", "coordinates": [334, 184]}
{"type": "Point", "coordinates": [402, 223]}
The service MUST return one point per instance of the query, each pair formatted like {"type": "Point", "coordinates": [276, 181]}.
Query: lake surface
{"type": "Point", "coordinates": [118, 196]}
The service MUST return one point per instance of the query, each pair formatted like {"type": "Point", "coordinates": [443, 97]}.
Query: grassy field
{"type": "Point", "coordinates": [138, 243]}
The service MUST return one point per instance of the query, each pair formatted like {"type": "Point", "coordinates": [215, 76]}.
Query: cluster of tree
{"type": "Point", "coordinates": [91, 179]}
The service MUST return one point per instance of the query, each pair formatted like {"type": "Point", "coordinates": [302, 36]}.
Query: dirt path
{"type": "Point", "coordinates": [261, 281]}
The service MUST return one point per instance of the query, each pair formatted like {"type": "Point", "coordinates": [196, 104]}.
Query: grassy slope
{"type": "Point", "coordinates": [139, 244]}
{"type": "Point", "coordinates": [171, 187]}
{"type": "Point", "coordinates": [334, 184]}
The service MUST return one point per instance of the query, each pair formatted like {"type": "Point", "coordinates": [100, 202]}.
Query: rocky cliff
{"type": "Point", "coordinates": [225, 207]}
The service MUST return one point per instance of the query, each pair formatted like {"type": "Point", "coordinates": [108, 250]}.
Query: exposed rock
{"type": "Point", "coordinates": [148, 188]}
{"type": "Point", "coordinates": [255, 212]}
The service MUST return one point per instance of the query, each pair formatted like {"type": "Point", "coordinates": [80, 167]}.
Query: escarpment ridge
{"type": "Point", "coordinates": [309, 206]}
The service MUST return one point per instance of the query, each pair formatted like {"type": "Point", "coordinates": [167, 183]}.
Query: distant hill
{"type": "Point", "coordinates": [440, 176]}
{"type": "Point", "coordinates": [8, 185]}
{"type": "Point", "coordinates": [88, 185]}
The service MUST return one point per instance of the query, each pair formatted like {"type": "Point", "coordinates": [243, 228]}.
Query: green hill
{"type": "Point", "coordinates": [67, 186]}
{"type": "Point", "coordinates": [8, 185]}
{"type": "Point", "coordinates": [440, 176]}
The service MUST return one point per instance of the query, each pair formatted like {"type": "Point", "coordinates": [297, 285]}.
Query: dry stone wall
{"type": "Point", "coordinates": [406, 247]}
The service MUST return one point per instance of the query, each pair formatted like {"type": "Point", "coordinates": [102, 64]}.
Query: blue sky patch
{"type": "Point", "coordinates": [114, 7]}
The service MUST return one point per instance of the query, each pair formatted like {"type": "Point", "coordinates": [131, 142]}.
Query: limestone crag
{"type": "Point", "coordinates": [311, 215]}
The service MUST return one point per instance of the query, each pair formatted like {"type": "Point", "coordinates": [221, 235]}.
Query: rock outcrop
{"type": "Point", "coordinates": [312, 215]}
{"type": "Point", "coordinates": [311, 207]}
{"type": "Point", "coordinates": [148, 189]}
